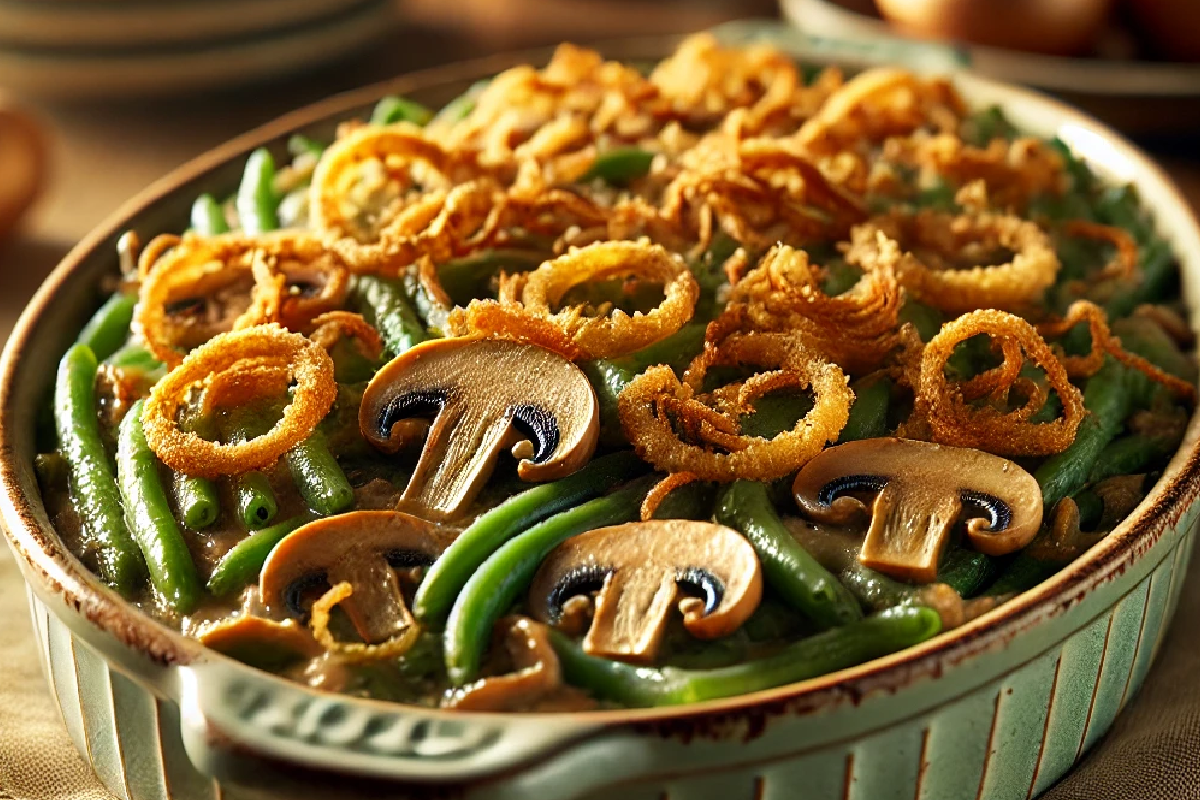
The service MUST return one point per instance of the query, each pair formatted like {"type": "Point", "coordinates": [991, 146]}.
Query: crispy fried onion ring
{"type": "Point", "coordinates": [239, 281]}
{"type": "Point", "coordinates": [953, 421]}
{"type": "Point", "coordinates": [1013, 171]}
{"type": "Point", "coordinates": [590, 337]}
{"type": "Point", "coordinates": [677, 429]}
{"type": "Point", "coordinates": [878, 104]}
{"type": "Point", "coordinates": [355, 651]}
{"type": "Point", "coordinates": [334, 325]}
{"type": "Point", "coordinates": [856, 329]}
{"type": "Point", "coordinates": [261, 352]}
{"type": "Point", "coordinates": [759, 191]}
{"type": "Point", "coordinates": [940, 242]}
{"type": "Point", "coordinates": [440, 225]}
{"type": "Point", "coordinates": [396, 148]}
{"type": "Point", "coordinates": [1104, 342]}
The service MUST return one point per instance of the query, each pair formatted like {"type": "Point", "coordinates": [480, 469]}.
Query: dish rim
{"type": "Point", "coordinates": [60, 573]}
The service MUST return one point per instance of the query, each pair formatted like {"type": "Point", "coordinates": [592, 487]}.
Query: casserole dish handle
{"type": "Point", "coordinates": [247, 727]}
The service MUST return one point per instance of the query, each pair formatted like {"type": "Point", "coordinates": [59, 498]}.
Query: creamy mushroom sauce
{"type": "Point", "coordinates": [647, 612]}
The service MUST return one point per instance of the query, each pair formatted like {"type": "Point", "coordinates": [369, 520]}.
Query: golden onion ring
{"type": "Point", "coordinates": [936, 239]}
{"type": "Point", "coordinates": [1104, 342]}
{"type": "Point", "coordinates": [308, 365]}
{"type": "Point", "coordinates": [952, 421]}
{"type": "Point", "coordinates": [203, 267]}
{"type": "Point", "coordinates": [333, 325]}
{"type": "Point", "coordinates": [590, 337]}
{"type": "Point", "coordinates": [645, 406]}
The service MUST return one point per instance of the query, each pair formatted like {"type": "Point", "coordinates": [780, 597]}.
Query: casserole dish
{"type": "Point", "coordinates": [1005, 703]}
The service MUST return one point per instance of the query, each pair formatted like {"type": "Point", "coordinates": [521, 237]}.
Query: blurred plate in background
{"type": "Point", "coordinates": [1139, 97]}
{"type": "Point", "coordinates": [82, 48]}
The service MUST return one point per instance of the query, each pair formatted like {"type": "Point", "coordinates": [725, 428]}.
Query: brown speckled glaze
{"type": "Point", "coordinates": [160, 717]}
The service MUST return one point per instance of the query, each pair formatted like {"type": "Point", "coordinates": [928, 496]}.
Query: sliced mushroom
{"type": "Point", "coordinates": [362, 548]}
{"type": "Point", "coordinates": [536, 672]}
{"type": "Point", "coordinates": [483, 395]}
{"type": "Point", "coordinates": [638, 568]}
{"type": "Point", "coordinates": [261, 643]}
{"type": "Point", "coordinates": [920, 489]}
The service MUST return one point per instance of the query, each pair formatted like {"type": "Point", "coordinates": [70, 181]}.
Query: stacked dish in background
{"type": "Point", "coordinates": [68, 48]}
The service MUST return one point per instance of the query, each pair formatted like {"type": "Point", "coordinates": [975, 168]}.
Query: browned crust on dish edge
{"type": "Point", "coordinates": [58, 574]}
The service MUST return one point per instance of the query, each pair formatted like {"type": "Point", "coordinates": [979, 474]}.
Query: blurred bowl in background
{"type": "Point", "coordinates": [22, 163]}
{"type": "Point", "coordinates": [1139, 97]}
{"type": "Point", "coordinates": [1054, 27]}
{"type": "Point", "coordinates": [72, 48]}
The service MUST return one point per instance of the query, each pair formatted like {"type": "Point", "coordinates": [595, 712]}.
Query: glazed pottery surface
{"type": "Point", "coordinates": [997, 709]}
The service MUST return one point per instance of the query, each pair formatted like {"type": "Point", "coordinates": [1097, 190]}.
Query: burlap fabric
{"type": "Point", "coordinates": [1152, 752]}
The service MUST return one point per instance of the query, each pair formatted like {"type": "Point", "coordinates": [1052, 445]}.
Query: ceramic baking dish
{"type": "Point", "coordinates": [998, 708]}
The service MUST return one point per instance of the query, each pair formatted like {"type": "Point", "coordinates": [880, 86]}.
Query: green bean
{"type": "Point", "coordinates": [460, 107]}
{"type": "Point", "coordinates": [252, 492]}
{"type": "Point", "coordinates": [451, 571]}
{"type": "Point", "coordinates": [788, 569]}
{"type": "Point", "coordinates": [869, 413]}
{"type": "Point", "coordinates": [385, 307]}
{"type": "Point", "coordinates": [840, 277]}
{"type": "Point", "coordinates": [466, 278]}
{"type": "Point", "coordinates": [463, 279]}
{"type": "Point", "coordinates": [619, 166]}
{"type": "Point", "coordinates": [255, 499]}
{"type": "Point", "coordinates": [874, 590]}
{"type": "Point", "coordinates": [257, 204]}
{"type": "Point", "coordinates": [1146, 338]}
{"type": "Point", "coordinates": [93, 485]}
{"type": "Point", "coordinates": [317, 475]}
{"type": "Point", "coordinates": [987, 124]}
{"type": "Point", "coordinates": [245, 559]}
{"type": "Point", "coordinates": [839, 648]}
{"type": "Point", "coordinates": [349, 364]}
{"type": "Point", "coordinates": [108, 328]}
{"type": "Point", "coordinates": [1130, 455]}
{"type": "Point", "coordinates": [393, 109]}
{"type": "Point", "coordinates": [148, 514]}
{"type": "Point", "coordinates": [838, 551]}
{"type": "Point", "coordinates": [609, 376]}
{"type": "Point", "coordinates": [691, 501]}
{"type": "Point", "coordinates": [967, 571]}
{"type": "Point", "coordinates": [926, 319]}
{"type": "Point", "coordinates": [775, 413]}
{"type": "Point", "coordinates": [1023, 572]}
{"type": "Point", "coordinates": [1106, 397]}
{"type": "Point", "coordinates": [208, 216]}
{"type": "Point", "coordinates": [710, 275]}
{"type": "Point", "coordinates": [498, 582]}
{"type": "Point", "coordinates": [1158, 273]}
{"type": "Point", "coordinates": [198, 500]}
{"type": "Point", "coordinates": [135, 356]}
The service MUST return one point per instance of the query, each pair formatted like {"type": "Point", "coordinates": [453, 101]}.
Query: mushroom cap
{"type": "Point", "coordinates": [638, 567]}
{"type": "Point", "coordinates": [308, 553]}
{"type": "Point", "coordinates": [920, 491]}
{"type": "Point", "coordinates": [484, 394]}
